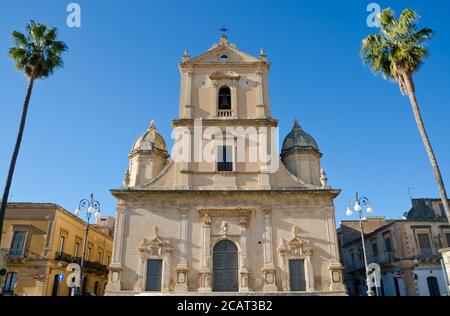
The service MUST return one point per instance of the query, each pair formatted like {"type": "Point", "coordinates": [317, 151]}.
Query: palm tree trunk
{"type": "Point", "coordinates": [14, 156]}
{"type": "Point", "coordinates": [434, 164]}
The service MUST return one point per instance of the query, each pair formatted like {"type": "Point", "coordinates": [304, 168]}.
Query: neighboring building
{"type": "Point", "coordinates": [39, 240]}
{"type": "Point", "coordinates": [407, 251]}
{"type": "Point", "coordinates": [225, 224]}
{"type": "Point", "coordinates": [446, 260]}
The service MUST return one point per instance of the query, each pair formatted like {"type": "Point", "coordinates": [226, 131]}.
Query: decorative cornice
{"type": "Point", "coordinates": [120, 193]}
{"type": "Point", "coordinates": [269, 122]}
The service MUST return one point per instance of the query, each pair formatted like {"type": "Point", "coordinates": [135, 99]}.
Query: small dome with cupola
{"type": "Point", "coordinates": [150, 140]}
{"type": "Point", "coordinates": [298, 139]}
{"type": "Point", "coordinates": [147, 158]}
{"type": "Point", "coordinates": [301, 156]}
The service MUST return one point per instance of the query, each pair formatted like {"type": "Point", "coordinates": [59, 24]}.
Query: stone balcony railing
{"type": "Point", "coordinates": [224, 113]}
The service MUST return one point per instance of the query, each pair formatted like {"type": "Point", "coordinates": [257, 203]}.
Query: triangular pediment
{"type": "Point", "coordinates": [213, 56]}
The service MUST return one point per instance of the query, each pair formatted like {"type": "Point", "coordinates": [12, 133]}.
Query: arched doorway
{"type": "Point", "coordinates": [225, 267]}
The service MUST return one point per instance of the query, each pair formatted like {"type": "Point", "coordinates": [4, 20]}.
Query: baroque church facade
{"type": "Point", "coordinates": [236, 222]}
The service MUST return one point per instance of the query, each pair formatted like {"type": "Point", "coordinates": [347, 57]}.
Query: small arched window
{"type": "Point", "coordinates": [224, 98]}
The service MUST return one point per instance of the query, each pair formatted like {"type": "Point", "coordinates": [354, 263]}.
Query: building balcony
{"type": "Point", "coordinates": [16, 253]}
{"type": "Point", "coordinates": [89, 266]}
{"type": "Point", "coordinates": [426, 254]}
{"type": "Point", "coordinates": [387, 257]}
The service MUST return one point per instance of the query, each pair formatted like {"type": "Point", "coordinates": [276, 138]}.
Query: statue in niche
{"type": "Point", "coordinates": [225, 228]}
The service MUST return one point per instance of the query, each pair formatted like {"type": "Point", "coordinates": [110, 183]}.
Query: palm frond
{"type": "Point", "coordinates": [38, 51]}
{"type": "Point", "coordinates": [399, 49]}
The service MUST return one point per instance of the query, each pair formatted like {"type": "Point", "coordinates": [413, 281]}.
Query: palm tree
{"type": "Point", "coordinates": [397, 53]}
{"type": "Point", "coordinates": [38, 54]}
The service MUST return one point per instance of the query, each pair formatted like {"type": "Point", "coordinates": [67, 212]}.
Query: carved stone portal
{"type": "Point", "coordinates": [156, 248]}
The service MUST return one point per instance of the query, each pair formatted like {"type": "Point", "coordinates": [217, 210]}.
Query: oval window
{"type": "Point", "coordinates": [223, 58]}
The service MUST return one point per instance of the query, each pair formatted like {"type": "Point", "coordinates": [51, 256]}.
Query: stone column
{"type": "Point", "coordinates": [260, 108]}
{"type": "Point", "coordinates": [269, 269]}
{"type": "Point", "coordinates": [166, 272]}
{"type": "Point", "coordinates": [205, 271]}
{"type": "Point", "coordinates": [182, 268]}
{"type": "Point", "coordinates": [115, 267]}
{"type": "Point", "coordinates": [263, 145]}
{"type": "Point", "coordinates": [244, 273]}
{"type": "Point", "coordinates": [233, 88]}
{"type": "Point", "coordinates": [309, 272]}
{"type": "Point", "coordinates": [335, 267]}
{"type": "Point", "coordinates": [214, 97]}
{"type": "Point", "coordinates": [188, 108]}
{"type": "Point", "coordinates": [142, 272]}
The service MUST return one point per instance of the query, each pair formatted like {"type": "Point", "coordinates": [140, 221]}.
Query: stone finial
{"type": "Point", "coordinates": [295, 232]}
{"type": "Point", "coordinates": [323, 178]}
{"type": "Point", "coordinates": [262, 55]}
{"type": "Point", "coordinates": [155, 232]}
{"type": "Point", "coordinates": [296, 124]}
{"type": "Point", "coordinates": [186, 56]}
{"type": "Point", "coordinates": [152, 125]}
{"type": "Point", "coordinates": [126, 179]}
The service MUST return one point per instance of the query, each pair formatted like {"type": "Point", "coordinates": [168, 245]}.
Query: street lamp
{"type": "Point", "coordinates": [91, 207]}
{"type": "Point", "coordinates": [357, 204]}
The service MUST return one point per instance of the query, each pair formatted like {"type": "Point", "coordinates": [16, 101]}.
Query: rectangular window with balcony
{"type": "Point", "coordinates": [18, 244]}
{"type": "Point", "coordinates": [424, 244]}
{"type": "Point", "coordinates": [61, 244]}
{"type": "Point", "coordinates": [375, 249]}
{"type": "Point", "coordinates": [224, 158]}
{"type": "Point", "coordinates": [100, 256]}
{"type": "Point", "coordinates": [88, 254]}
{"type": "Point", "coordinates": [388, 244]}
{"type": "Point", "coordinates": [76, 249]}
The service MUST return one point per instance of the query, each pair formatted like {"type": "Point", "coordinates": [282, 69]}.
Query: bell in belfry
{"type": "Point", "coordinates": [224, 99]}
{"type": "Point", "coordinates": [224, 102]}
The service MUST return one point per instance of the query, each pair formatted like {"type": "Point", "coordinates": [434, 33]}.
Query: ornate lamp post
{"type": "Point", "coordinates": [90, 206]}
{"type": "Point", "coordinates": [357, 206]}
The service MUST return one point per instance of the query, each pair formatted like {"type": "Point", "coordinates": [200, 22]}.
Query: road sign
{"type": "Point", "coordinates": [61, 277]}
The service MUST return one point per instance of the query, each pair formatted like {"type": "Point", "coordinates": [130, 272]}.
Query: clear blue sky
{"type": "Point", "coordinates": [121, 72]}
